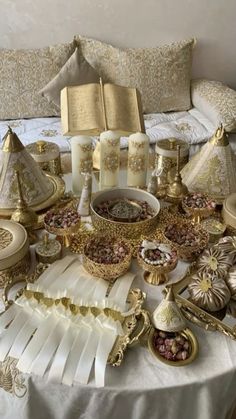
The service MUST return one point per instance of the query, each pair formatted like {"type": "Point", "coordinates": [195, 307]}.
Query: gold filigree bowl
{"type": "Point", "coordinates": [198, 214]}
{"type": "Point", "coordinates": [130, 230]}
{"type": "Point", "coordinates": [64, 235]}
{"type": "Point", "coordinates": [156, 275]}
{"type": "Point", "coordinates": [187, 334]}
{"type": "Point", "coordinates": [107, 271]}
{"type": "Point", "coordinates": [186, 252]}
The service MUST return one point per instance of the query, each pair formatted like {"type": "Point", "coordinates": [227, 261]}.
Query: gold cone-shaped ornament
{"type": "Point", "coordinates": [35, 185]}
{"type": "Point", "coordinates": [213, 169]}
{"type": "Point", "coordinates": [168, 316]}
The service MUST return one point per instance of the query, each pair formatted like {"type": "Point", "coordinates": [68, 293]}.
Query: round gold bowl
{"type": "Point", "coordinates": [130, 230]}
{"type": "Point", "coordinates": [187, 334]}
{"type": "Point", "coordinates": [106, 271]}
{"type": "Point", "coordinates": [198, 214]}
{"type": "Point", "coordinates": [185, 252]}
{"type": "Point", "coordinates": [63, 234]}
{"type": "Point", "coordinates": [156, 275]}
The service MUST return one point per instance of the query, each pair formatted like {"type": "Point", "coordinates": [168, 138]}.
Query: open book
{"type": "Point", "coordinates": [92, 108]}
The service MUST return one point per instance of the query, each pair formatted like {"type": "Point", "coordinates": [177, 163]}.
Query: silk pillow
{"type": "Point", "coordinates": [23, 73]}
{"type": "Point", "coordinates": [161, 74]}
{"type": "Point", "coordinates": [75, 72]}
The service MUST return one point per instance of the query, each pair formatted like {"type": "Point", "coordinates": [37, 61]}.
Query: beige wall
{"type": "Point", "coordinates": [33, 23]}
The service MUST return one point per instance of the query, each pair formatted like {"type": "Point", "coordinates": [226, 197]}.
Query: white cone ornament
{"type": "Point", "coordinates": [168, 316]}
{"type": "Point", "coordinates": [36, 187]}
{"type": "Point", "coordinates": [212, 170]}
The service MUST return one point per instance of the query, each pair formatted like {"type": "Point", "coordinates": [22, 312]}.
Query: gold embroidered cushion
{"type": "Point", "coordinates": [161, 74]}
{"type": "Point", "coordinates": [75, 72]}
{"type": "Point", "coordinates": [217, 101]}
{"type": "Point", "coordinates": [23, 73]}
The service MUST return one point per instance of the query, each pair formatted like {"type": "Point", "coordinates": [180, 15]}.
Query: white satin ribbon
{"type": "Point", "coordinates": [74, 355]}
{"type": "Point", "coordinates": [120, 289]}
{"type": "Point", "coordinates": [24, 335]}
{"type": "Point", "coordinates": [10, 334]}
{"type": "Point", "coordinates": [62, 353]}
{"type": "Point", "coordinates": [36, 343]}
{"type": "Point", "coordinates": [45, 355]}
{"type": "Point", "coordinates": [8, 316]}
{"type": "Point", "coordinates": [105, 345]}
{"type": "Point", "coordinates": [86, 359]}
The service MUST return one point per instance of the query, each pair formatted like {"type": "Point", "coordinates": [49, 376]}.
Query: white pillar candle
{"type": "Point", "coordinates": [138, 155]}
{"type": "Point", "coordinates": [109, 159]}
{"type": "Point", "coordinates": [81, 160]}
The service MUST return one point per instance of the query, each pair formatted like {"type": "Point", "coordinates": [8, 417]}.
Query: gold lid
{"type": "Point", "coordinates": [220, 137]}
{"type": "Point", "coordinates": [11, 142]}
{"type": "Point", "coordinates": [167, 316]}
{"type": "Point", "coordinates": [14, 243]}
{"type": "Point", "coordinates": [168, 147]}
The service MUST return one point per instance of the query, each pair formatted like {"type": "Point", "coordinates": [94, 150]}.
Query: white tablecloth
{"type": "Point", "coordinates": [142, 387]}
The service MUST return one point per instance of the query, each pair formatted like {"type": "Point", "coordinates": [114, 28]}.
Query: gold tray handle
{"type": "Point", "coordinates": [196, 320]}
{"type": "Point", "coordinates": [142, 329]}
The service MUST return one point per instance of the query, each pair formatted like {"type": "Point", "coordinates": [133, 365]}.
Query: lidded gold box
{"type": "Point", "coordinates": [47, 155]}
{"type": "Point", "coordinates": [166, 157]}
{"type": "Point", "coordinates": [14, 251]}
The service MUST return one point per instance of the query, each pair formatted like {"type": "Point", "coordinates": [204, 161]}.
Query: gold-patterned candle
{"type": "Point", "coordinates": [137, 160]}
{"type": "Point", "coordinates": [81, 160]}
{"type": "Point", "coordinates": [109, 159]}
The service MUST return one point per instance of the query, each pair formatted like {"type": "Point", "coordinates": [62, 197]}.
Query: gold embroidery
{"type": "Point", "coordinates": [5, 238]}
{"type": "Point", "coordinates": [11, 379]}
{"type": "Point", "coordinates": [136, 163]}
{"type": "Point", "coordinates": [111, 162]}
{"type": "Point", "coordinates": [49, 132]}
{"type": "Point", "coordinates": [168, 314]}
{"type": "Point", "coordinates": [86, 147]}
{"type": "Point", "coordinates": [86, 165]}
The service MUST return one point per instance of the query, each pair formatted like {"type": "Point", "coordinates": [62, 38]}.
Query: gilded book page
{"type": "Point", "coordinates": [122, 108]}
{"type": "Point", "coordinates": [84, 108]}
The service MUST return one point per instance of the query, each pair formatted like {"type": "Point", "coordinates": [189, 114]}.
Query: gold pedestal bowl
{"type": "Point", "coordinates": [107, 271]}
{"type": "Point", "coordinates": [154, 274]}
{"type": "Point", "coordinates": [197, 214]}
{"type": "Point", "coordinates": [64, 234]}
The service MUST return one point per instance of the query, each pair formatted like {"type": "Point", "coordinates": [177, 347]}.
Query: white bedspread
{"type": "Point", "coordinates": [191, 126]}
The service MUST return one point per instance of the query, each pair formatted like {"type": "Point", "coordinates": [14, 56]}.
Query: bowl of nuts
{"type": "Point", "coordinates": [189, 239]}
{"type": "Point", "coordinates": [173, 348]}
{"type": "Point", "coordinates": [198, 206]}
{"type": "Point", "coordinates": [125, 212]}
{"type": "Point", "coordinates": [157, 259]}
{"type": "Point", "coordinates": [63, 223]}
{"type": "Point", "coordinates": [106, 257]}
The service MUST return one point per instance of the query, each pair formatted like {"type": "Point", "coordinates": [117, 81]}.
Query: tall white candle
{"type": "Point", "coordinates": [109, 159]}
{"type": "Point", "coordinates": [81, 160]}
{"type": "Point", "coordinates": [138, 155]}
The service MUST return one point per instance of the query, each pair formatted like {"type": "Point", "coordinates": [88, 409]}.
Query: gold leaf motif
{"type": "Point", "coordinates": [49, 133]}
{"type": "Point", "coordinates": [5, 238]}
{"type": "Point", "coordinates": [11, 379]}
{"type": "Point", "coordinates": [111, 162]}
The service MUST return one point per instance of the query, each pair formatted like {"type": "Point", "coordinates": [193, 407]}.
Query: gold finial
{"type": "Point", "coordinates": [177, 189]}
{"type": "Point", "coordinates": [46, 239]}
{"type": "Point", "coordinates": [41, 146]}
{"type": "Point", "coordinates": [220, 137]}
{"type": "Point", "coordinates": [11, 142]}
{"type": "Point", "coordinates": [172, 142]}
{"type": "Point", "coordinates": [23, 214]}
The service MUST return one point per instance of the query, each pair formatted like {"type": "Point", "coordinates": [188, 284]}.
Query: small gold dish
{"type": "Point", "coordinates": [186, 252]}
{"type": "Point", "coordinates": [106, 271]}
{"type": "Point", "coordinates": [64, 234]}
{"type": "Point", "coordinates": [156, 275]}
{"type": "Point", "coordinates": [187, 334]}
{"type": "Point", "coordinates": [197, 214]}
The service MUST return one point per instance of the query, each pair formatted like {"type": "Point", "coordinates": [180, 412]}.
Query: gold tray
{"type": "Point", "coordinates": [58, 191]}
{"type": "Point", "coordinates": [197, 315]}
{"type": "Point", "coordinates": [134, 325]}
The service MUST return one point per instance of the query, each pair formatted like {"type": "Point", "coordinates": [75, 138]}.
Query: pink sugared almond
{"type": "Point", "coordinates": [171, 346]}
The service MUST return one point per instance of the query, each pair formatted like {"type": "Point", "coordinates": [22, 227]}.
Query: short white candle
{"type": "Point", "coordinates": [138, 155]}
{"type": "Point", "coordinates": [109, 159]}
{"type": "Point", "coordinates": [81, 160]}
